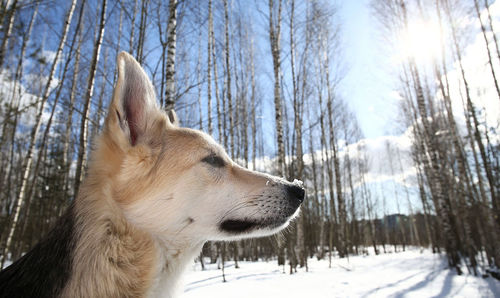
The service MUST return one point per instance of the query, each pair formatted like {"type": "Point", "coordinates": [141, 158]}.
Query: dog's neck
{"type": "Point", "coordinates": [114, 259]}
{"type": "Point", "coordinates": [174, 258]}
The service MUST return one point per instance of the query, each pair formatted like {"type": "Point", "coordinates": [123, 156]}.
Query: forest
{"type": "Point", "coordinates": [266, 79]}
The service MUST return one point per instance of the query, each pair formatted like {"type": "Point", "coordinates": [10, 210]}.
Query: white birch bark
{"type": "Point", "coordinates": [34, 131]}
{"type": "Point", "coordinates": [82, 149]}
{"type": "Point", "coordinates": [171, 45]}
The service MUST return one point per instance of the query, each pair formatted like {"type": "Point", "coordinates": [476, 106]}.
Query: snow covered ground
{"type": "Point", "coordinates": [404, 274]}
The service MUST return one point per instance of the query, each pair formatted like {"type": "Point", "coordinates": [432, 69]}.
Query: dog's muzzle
{"type": "Point", "coordinates": [275, 209]}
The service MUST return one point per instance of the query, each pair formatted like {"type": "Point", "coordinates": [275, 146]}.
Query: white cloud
{"type": "Point", "coordinates": [28, 102]}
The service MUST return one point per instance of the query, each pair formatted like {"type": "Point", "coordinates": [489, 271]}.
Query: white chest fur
{"type": "Point", "coordinates": [171, 265]}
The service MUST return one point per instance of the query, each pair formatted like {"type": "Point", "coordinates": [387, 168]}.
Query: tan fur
{"type": "Point", "coordinates": [145, 209]}
{"type": "Point", "coordinates": [112, 258]}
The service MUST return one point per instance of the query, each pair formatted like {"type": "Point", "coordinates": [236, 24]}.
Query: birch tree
{"type": "Point", "coordinates": [274, 40]}
{"type": "Point", "coordinates": [82, 149]}
{"type": "Point", "coordinates": [170, 95]}
{"type": "Point", "coordinates": [297, 109]}
{"type": "Point", "coordinates": [11, 115]}
{"type": "Point", "coordinates": [209, 66]}
{"type": "Point", "coordinates": [34, 132]}
{"type": "Point", "coordinates": [7, 30]}
{"type": "Point", "coordinates": [487, 46]}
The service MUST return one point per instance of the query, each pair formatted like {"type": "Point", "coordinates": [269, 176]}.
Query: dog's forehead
{"type": "Point", "coordinates": [190, 138]}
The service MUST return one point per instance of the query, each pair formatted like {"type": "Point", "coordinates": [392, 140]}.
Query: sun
{"type": "Point", "coordinates": [420, 41]}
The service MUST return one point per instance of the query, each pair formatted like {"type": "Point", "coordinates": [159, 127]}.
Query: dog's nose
{"type": "Point", "coordinates": [295, 192]}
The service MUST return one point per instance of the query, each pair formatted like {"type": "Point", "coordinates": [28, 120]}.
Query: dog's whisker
{"type": "Point", "coordinates": [254, 196]}
{"type": "Point", "coordinates": [239, 207]}
{"type": "Point", "coordinates": [244, 202]}
{"type": "Point", "coordinates": [235, 206]}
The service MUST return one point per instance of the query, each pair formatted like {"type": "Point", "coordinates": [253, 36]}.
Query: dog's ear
{"type": "Point", "coordinates": [133, 100]}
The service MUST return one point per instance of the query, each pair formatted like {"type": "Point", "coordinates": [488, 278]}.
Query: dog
{"type": "Point", "coordinates": [153, 195]}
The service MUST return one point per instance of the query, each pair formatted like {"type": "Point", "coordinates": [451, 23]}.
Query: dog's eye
{"type": "Point", "coordinates": [214, 161]}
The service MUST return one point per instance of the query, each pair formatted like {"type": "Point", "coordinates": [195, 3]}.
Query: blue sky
{"type": "Point", "coordinates": [368, 84]}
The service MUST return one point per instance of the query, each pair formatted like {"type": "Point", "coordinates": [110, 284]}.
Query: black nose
{"type": "Point", "coordinates": [295, 193]}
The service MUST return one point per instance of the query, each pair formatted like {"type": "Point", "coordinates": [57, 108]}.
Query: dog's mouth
{"type": "Point", "coordinates": [237, 226]}
{"type": "Point", "coordinates": [245, 226]}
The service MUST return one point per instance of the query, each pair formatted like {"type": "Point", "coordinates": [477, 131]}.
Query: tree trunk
{"type": "Point", "coordinates": [341, 231]}
{"type": "Point", "coordinates": [332, 235]}
{"type": "Point", "coordinates": [209, 67]}
{"type": "Point", "coordinates": [45, 137]}
{"type": "Point", "coordinates": [34, 133]}
{"type": "Point", "coordinates": [472, 113]}
{"type": "Point", "coordinates": [7, 30]}
{"type": "Point", "coordinates": [486, 43]}
{"type": "Point", "coordinates": [100, 112]}
{"type": "Point", "coordinates": [69, 120]}
{"type": "Point", "coordinates": [13, 108]}
{"type": "Point", "coordinates": [274, 38]}
{"type": "Point", "coordinates": [216, 91]}
{"type": "Point", "coordinates": [132, 30]}
{"type": "Point", "coordinates": [321, 254]}
{"type": "Point", "coordinates": [142, 31]}
{"type": "Point", "coordinates": [82, 149]}
{"type": "Point", "coordinates": [229, 99]}
{"type": "Point", "coordinates": [365, 196]}
{"type": "Point", "coordinates": [297, 111]}
{"type": "Point", "coordinates": [12, 111]}
{"type": "Point", "coordinates": [170, 95]}
{"type": "Point", "coordinates": [493, 32]}
{"type": "Point", "coordinates": [443, 205]}
{"type": "Point", "coordinates": [198, 83]}
{"type": "Point", "coordinates": [353, 239]}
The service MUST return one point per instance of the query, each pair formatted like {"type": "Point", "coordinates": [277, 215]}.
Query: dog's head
{"type": "Point", "coordinates": [174, 181]}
